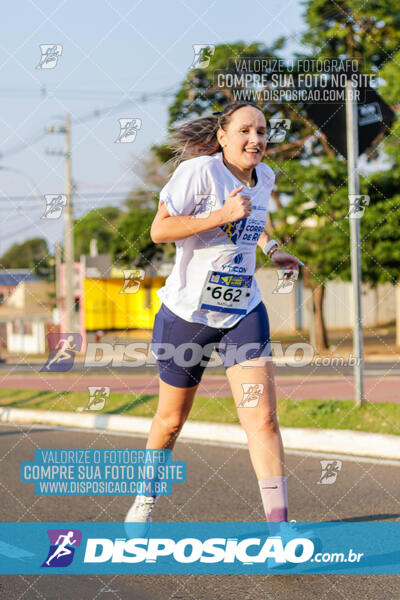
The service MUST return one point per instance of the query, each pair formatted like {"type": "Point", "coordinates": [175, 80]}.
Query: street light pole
{"type": "Point", "coordinates": [355, 245]}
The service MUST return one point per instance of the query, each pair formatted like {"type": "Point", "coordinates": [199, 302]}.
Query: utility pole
{"type": "Point", "coordinates": [58, 272]}
{"type": "Point", "coordinates": [352, 169]}
{"type": "Point", "coordinates": [69, 302]}
{"type": "Point", "coordinates": [69, 232]}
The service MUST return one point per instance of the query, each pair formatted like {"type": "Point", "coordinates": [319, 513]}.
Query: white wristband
{"type": "Point", "coordinates": [269, 245]}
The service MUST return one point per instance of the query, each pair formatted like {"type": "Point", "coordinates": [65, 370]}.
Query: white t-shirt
{"type": "Point", "coordinates": [198, 186]}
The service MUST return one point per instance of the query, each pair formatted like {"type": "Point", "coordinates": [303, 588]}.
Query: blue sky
{"type": "Point", "coordinates": [113, 51]}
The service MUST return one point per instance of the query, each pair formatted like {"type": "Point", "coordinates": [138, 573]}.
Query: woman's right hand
{"type": "Point", "coordinates": [237, 206]}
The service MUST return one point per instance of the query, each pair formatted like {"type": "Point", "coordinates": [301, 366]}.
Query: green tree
{"type": "Point", "coordinates": [314, 226]}
{"type": "Point", "coordinates": [369, 31]}
{"type": "Point", "coordinates": [32, 254]}
{"type": "Point", "coordinates": [381, 220]}
{"type": "Point", "coordinates": [99, 223]}
{"type": "Point", "coordinates": [318, 188]}
{"type": "Point", "coordinates": [153, 173]}
{"type": "Point", "coordinates": [132, 244]}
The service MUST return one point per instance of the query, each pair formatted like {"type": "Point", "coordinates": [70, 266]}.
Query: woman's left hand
{"type": "Point", "coordinates": [286, 261]}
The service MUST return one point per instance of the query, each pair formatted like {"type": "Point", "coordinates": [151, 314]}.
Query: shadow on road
{"type": "Point", "coordinates": [382, 517]}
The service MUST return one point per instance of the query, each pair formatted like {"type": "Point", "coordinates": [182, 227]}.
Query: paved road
{"type": "Point", "coordinates": [377, 389]}
{"type": "Point", "coordinates": [220, 486]}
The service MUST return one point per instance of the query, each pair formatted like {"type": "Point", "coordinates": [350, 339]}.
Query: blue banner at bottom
{"type": "Point", "coordinates": [200, 547]}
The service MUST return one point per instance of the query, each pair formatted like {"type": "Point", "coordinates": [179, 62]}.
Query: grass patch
{"type": "Point", "coordinates": [381, 417]}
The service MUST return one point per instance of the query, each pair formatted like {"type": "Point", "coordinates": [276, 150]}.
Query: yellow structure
{"type": "Point", "coordinates": [105, 306]}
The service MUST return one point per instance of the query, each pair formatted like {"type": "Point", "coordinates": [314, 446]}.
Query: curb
{"type": "Point", "coordinates": [355, 443]}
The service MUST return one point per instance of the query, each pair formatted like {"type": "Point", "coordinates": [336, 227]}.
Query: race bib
{"type": "Point", "coordinates": [226, 293]}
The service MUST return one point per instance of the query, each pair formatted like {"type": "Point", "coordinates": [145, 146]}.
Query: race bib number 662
{"type": "Point", "coordinates": [226, 293]}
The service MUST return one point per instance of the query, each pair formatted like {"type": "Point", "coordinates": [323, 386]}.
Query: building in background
{"type": "Point", "coordinates": [10, 278]}
{"type": "Point", "coordinates": [109, 299]}
{"type": "Point", "coordinates": [27, 317]}
{"type": "Point", "coordinates": [290, 313]}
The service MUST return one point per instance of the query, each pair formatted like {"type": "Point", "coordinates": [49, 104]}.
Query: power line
{"type": "Point", "coordinates": [77, 195]}
{"type": "Point", "coordinates": [139, 95]}
{"type": "Point", "coordinates": [139, 98]}
{"type": "Point", "coordinates": [22, 230]}
{"type": "Point", "coordinates": [23, 145]}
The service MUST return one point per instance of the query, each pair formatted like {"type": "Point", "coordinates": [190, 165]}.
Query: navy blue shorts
{"type": "Point", "coordinates": [183, 349]}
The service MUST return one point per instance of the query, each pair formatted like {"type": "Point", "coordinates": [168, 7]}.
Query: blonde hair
{"type": "Point", "coordinates": [199, 137]}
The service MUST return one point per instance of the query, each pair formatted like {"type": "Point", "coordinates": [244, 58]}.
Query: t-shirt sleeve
{"type": "Point", "coordinates": [269, 175]}
{"type": "Point", "coordinates": [181, 193]}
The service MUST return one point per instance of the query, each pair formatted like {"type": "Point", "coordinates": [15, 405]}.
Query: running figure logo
{"type": "Point", "coordinates": [54, 206]}
{"type": "Point", "coordinates": [128, 130]}
{"type": "Point", "coordinates": [330, 470]}
{"type": "Point", "coordinates": [62, 547]}
{"type": "Point", "coordinates": [202, 55]}
{"type": "Point", "coordinates": [251, 394]}
{"type": "Point", "coordinates": [97, 398]}
{"type": "Point", "coordinates": [233, 230]}
{"type": "Point", "coordinates": [286, 279]}
{"type": "Point", "coordinates": [277, 130]}
{"type": "Point", "coordinates": [357, 206]}
{"type": "Point", "coordinates": [50, 55]}
{"type": "Point", "coordinates": [62, 349]}
{"type": "Point", "coordinates": [133, 277]}
{"type": "Point", "coordinates": [204, 203]}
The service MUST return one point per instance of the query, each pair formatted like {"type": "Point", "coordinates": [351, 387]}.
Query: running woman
{"type": "Point", "coordinates": [215, 208]}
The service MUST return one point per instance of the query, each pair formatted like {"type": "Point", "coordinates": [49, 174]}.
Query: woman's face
{"type": "Point", "coordinates": [245, 137]}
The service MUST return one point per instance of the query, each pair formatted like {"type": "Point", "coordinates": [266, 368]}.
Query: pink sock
{"type": "Point", "coordinates": [274, 499]}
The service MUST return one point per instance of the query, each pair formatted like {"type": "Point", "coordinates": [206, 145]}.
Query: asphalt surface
{"type": "Point", "coordinates": [220, 486]}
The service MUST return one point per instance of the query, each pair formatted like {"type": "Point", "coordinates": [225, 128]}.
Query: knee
{"type": "Point", "coordinates": [266, 422]}
{"type": "Point", "coordinates": [172, 424]}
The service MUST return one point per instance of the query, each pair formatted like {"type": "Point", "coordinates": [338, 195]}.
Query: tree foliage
{"type": "Point", "coordinates": [32, 254]}
{"type": "Point", "coordinates": [380, 224]}
{"type": "Point", "coordinates": [132, 244]}
{"type": "Point", "coordinates": [99, 223]}
{"type": "Point", "coordinates": [369, 31]}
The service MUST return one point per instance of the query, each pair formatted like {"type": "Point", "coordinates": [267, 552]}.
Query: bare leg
{"type": "Point", "coordinates": [174, 405]}
{"type": "Point", "coordinates": [259, 422]}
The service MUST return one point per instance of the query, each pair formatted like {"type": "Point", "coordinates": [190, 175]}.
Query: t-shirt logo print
{"type": "Point", "coordinates": [233, 230]}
